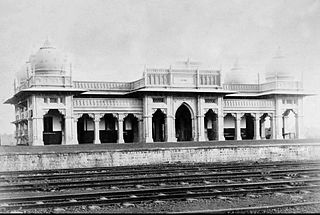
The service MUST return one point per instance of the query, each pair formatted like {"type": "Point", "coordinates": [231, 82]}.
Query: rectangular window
{"type": "Point", "coordinates": [53, 100]}
{"type": "Point", "coordinates": [62, 100]}
{"type": "Point", "coordinates": [289, 101]}
{"type": "Point", "coordinates": [158, 100]}
{"type": "Point", "coordinates": [45, 100]}
{"type": "Point", "coordinates": [283, 101]}
{"type": "Point", "coordinates": [47, 124]}
{"type": "Point", "coordinates": [209, 100]}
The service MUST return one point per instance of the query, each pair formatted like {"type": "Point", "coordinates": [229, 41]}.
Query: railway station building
{"type": "Point", "coordinates": [185, 103]}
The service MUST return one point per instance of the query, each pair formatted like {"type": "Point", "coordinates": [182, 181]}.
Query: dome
{"type": "Point", "coordinates": [49, 60]}
{"type": "Point", "coordinates": [22, 74]}
{"type": "Point", "coordinates": [278, 68]}
{"type": "Point", "coordinates": [236, 75]}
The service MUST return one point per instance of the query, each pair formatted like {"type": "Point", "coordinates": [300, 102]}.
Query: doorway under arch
{"type": "Point", "coordinates": [289, 124]}
{"type": "Point", "coordinates": [247, 133]}
{"type": "Point", "coordinates": [130, 129]}
{"type": "Point", "coordinates": [110, 132]}
{"type": "Point", "coordinates": [85, 129]}
{"type": "Point", "coordinates": [158, 126]}
{"type": "Point", "coordinates": [183, 124]}
{"type": "Point", "coordinates": [53, 127]}
{"type": "Point", "coordinates": [210, 125]}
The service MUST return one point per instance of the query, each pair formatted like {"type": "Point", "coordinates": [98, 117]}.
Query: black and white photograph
{"type": "Point", "coordinates": [159, 106]}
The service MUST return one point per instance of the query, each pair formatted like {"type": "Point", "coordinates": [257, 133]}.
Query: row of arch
{"type": "Point", "coordinates": [112, 129]}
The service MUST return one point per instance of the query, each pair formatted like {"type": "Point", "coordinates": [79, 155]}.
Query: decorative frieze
{"type": "Point", "coordinates": [92, 102]}
{"type": "Point", "coordinates": [248, 103]}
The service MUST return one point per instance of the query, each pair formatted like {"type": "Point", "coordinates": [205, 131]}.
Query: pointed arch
{"type": "Point", "coordinates": [184, 122]}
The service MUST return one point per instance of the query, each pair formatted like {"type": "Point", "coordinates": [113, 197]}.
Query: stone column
{"type": "Point", "coordinates": [273, 127]}
{"type": "Point", "coordinates": [220, 127]}
{"type": "Point", "coordinates": [299, 123]}
{"type": "Point", "coordinates": [69, 131]}
{"type": "Point", "coordinates": [220, 118]}
{"type": "Point", "coordinates": [238, 126]}
{"type": "Point", "coordinates": [37, 124]}
{"type": "Point", "coordinates": [257, 127]}
{"type": "Point", "coordinates": [201, 128]}
{"type": "Point", "coordinates": [75, 130]}
{"type": "Point", "coordinates": [96, 129]}
{"type": "Point", "coordinates": [148, 128]}
{"type": "Point", "coordinates": [120, 128]}
{"type": "Point", "coordinates": [285, 127]}
{"type": "Point", "coordinates": [140, 122]}
{"type": "Point", "coordinates": [171, 129]}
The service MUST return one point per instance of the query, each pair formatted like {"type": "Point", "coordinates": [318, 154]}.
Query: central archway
{"type": "Point", "coordinates": [158, 124]}
{"type": "Point", "coordinates": [183, 124]}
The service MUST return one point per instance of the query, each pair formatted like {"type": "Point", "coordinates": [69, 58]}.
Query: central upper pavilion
{"type": "Point", "coordinates": [165, 105]}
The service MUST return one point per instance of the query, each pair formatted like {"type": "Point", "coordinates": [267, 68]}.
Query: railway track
{"type": "Point", "coordinates": [172, 193]}
{"type": "Point", "coordinates": [165, 183]}
{"type": "Point", "coordinates": [249, 209]}
{"type": "Point", "coordinates": [195, 177]}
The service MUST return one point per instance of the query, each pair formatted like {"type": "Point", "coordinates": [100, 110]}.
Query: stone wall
{"type": "Point", "coordinates": [123, 157]}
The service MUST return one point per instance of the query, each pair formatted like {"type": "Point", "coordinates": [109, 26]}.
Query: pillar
{"type": "Point", "coordinates": [37, 127]}
{"type": "Point", "coordinates": [120, 128]}
{"type": "Point", "coordinates": [201, 131]}
{"type": "Point", "coordinates": [220, 127]}
{"type": "Point", "coordinates": [148, 128]}
{"type": "Point", "coordinates": [171, 129]}
{"type": "Point", "coordinates": [220, 119]}
{"type": "Point", "coordinates": [299, 123]}
{"type": "Point", "coordinates": [96, 129]}
{"type": "Point", "coordinates": [140, 122]}
{"type": "Point", "coordinates": [273, 127]}
{"type": "Point", "coordinates": [75, 130]}
{"type": "Point", "coordinates": [69, 131]}
{"type": "Point", "coordinates": [238, 126]}
{"type": "Point", "coordinates": [257, 127]}
{"type": "Point", "coordinates": [285, 133]}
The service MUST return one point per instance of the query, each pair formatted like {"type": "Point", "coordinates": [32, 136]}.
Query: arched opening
{"type": "Point", "coordinates": [109, 132]}
{"type": "Point", "coordinates": [130, 129]}
{"type": "Point", "coordinates": [229, 127]}
{"type": "Point", "coordinates": [210, 125]}
{"type": "Point", "coordinates": [289, 124]}
{"type": "Point", "coordinates": [85, 129]}
{"type": "Point", "coordinates": [158, 123]}
{"type": "Point", "coordinates": [183, 124]}
{"type": "Point", "coordinates": [265, 126]}
{"type": "Point", "coordinates": [53, 127]}
{"type": "Point", "coordinates": [247, 133]}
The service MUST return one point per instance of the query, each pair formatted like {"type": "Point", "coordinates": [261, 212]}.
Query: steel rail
{"type": "Point", "coordinates": [133, 169]}
{"type": "Point", "coordinates": [246, 209]}
{"type": "Point", "coordinates": [151, 194]}
{"type": "Point", "coordinates": [110, 174]}
{"type": "Point", "coordinates": [152, 180]}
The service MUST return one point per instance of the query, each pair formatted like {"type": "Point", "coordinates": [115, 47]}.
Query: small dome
{"type": "Point", "coordinates": [278, 68]}
{"type": "Point", "coordinates": [236, 75]}
{"type": "Point", "coordinates": [22, 74]}
{"type": "Point", "coordinates": [49, 60]}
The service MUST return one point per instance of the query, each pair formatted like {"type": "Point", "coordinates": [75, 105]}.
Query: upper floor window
{"type": "Point", "coordinates": [209, 100]}
{"type": "Point", "coordinates": [53, 100]}
{"type": "Point", "coordinates": [158, 100]}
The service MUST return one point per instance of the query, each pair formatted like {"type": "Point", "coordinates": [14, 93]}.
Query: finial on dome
{"type": "Point", "coordinates": [236, 65]}
{"type": "Point", "coordinates": [47, 43]}
{"type": "Point", "coordinates": [278, 53]}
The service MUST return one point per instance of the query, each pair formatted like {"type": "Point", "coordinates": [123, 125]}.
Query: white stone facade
{"type": "Point", "coordinates": [166, 105]}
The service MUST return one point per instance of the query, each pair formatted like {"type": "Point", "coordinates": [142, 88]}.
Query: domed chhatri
{"type": "Point", "coordinates": [278, 68]}
{"type": "Point", "coordinates": [237, 75]}
{"type": "Point", "coordinates": [49, 60]}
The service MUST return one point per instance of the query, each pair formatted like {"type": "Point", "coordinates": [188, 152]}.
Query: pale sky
{"type": "Point", "coordinates": [113, 40]}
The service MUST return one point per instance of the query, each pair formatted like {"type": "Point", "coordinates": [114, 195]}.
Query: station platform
{"type": "Point", "coordinates": [19, 158]}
